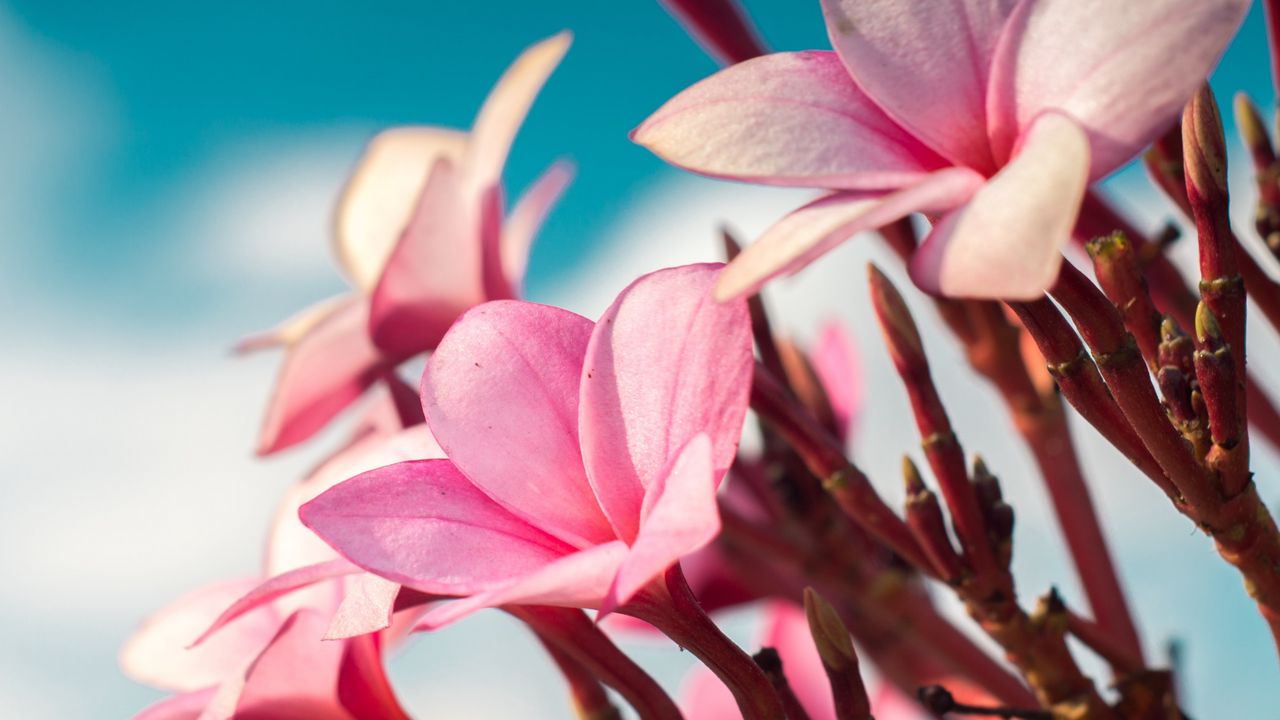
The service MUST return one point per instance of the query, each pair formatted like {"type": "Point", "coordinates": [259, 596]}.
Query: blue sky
{"type": "Point", "coordinates": [186, 81]}
{"type": "Point", "coordinates": [166, 179]}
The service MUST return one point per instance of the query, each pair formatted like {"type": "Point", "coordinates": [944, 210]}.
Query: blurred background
{"type": "Point", "coordinates": [167, 177]}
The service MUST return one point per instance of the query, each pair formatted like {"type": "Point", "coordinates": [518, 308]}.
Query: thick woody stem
{"type": "Point", "coordinates": [578, 637]}
{"type": "Point", "coordinates": [1035, 642]}
{"type": "Point", "coordinates": [670, 606]}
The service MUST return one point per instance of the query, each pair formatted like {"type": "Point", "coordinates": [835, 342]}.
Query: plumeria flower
{"type": "Point", "coordinates": [704, 697]}
{"type": "Point", "coordinates": [989, 116]}
{"type": "Point", "coordinates": [583, 459]}
{"type": "Point", "coordinates": [263, 648]}
{"type": "Point", "coordinates": [422, 236]}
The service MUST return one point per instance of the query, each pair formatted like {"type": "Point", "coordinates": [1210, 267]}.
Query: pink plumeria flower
{"type": "Point", "coordinates": [991, 116]}
{"type": "Point", "coordinates": [263, 647]}
{"type": "Point", "coordinates": [583, 458]}
{"type": "Point", "coordinates": [711, 575]}
{"type": "Point", "coordinates": [786, 630]}
{"type": "Point", "coordinates": [422, 236]}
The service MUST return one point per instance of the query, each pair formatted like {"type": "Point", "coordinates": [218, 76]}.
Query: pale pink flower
{"type": "Point", "coordinates": [704, 697]}
{"type": "Point", "coordinates": [305, 642]}
{"type": "Point", "coordinates": [422, 236]}
{"type": "Point", "coordinates": [991, 116]}
{"type": "Point", "coordinates": [583, 459]}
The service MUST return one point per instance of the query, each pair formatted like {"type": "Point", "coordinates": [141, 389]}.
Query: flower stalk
{"type": "Point", "coordinates": [670, 606]}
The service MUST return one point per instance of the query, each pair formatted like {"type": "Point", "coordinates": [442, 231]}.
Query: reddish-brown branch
{"type": "Point", "coordinates": [1266, 171]}
{"type": "Point", "coordinates": [894, 623]}
{"type": "Point", "coordinates": [1171, 295]}
{"type": "Point", "coordinates": [670, 606]}
{"type": "Point", "coordinates": [824, 456]}
{"type": "Point", "coordinates": [1103, 331]}
{"type": "Point", "coordinates": [720, 26]}
{"type": "Point", "coordinates": [1272, 15]}
{"type": "Point", "coordinates": [589, 697]}
{"type": "Point", "coordinates": [1241, 525]}
{"type": "Point", "coordinates": [831, 638]}
{"type": "Point", "coordinates": [1120, 275]}
{"type": "Point", "coordinates": [924, 517]}
{"type": "Point", "coordinates": [1081, 384]}
{"type": "Point", "coordinates": [993, 347]}
{"type": "Point", "coordinates": [1101, 642]}
{"type": "Point", "coordinates": [939, 441]}
{"type": "Point", "coordinates": [577, 636]}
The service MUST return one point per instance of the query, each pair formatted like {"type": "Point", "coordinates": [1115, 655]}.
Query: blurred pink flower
{"type": "Point", "coordinates": [583, 459]}
{"type": "Point", "coordinates": [421, 234]}
{"type": "Point", "coordinates": [990, 115]}
{"type": "Point", "coordinates": [262, 649]}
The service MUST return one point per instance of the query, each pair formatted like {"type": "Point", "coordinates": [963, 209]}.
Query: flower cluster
{"type": "Point", "coordinates": [586, 476]}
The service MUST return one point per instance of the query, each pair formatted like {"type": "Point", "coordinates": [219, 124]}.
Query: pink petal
{"type": "Point", "coordinates": [813, 230]}
{"type": "Point", "coordinates": [704, 697]}
{"type": "Point", "coordinates": [889, 702]}
{"type": "Point", "coordinates": [680, 517]}
{"type": "Point", "coordinates": [434, 273]}
{"type": "Point", "coordinates": [835, 360]}
{"type": "Point", "coordinates": [506, 107]}
{"type": "Point", "coordinates": [788, 633]}
{"type": "Point", "coordinates": [366, 607]}
{"type": "Point", "coordinates": [324, 371]}
{"type": "Point", "coordinates": [1123, 70]}
{"type": "Point", "coordinates": [721, 27]}
{"type": "Point", "coordinates": [187, 706]}
{"type": "Point", "coordinates": [526, 219]}
{"type": "Point", "coordinates": [423, 524]}
{"type": "Point", "coordinates": [296, 677]}
{"type": "Point", "coordinates": [501, 396]}
{"type": "Point", "coordinates": [380, 196]}
{"type": "Point", "coordinates": [580, 579]}
{"type": "Point", "coordinates": [666, 363]}
{"type": "Point", "coordinates": [1006, 243]}
{"type": "Point", "coordinates": [276, 587]}
{"type": "Point", "coordinates": [785, 119]}
{"type": "Point", "coordinates": [363, 686]}
{"type": "Point", "coordinates": [926, 63]}
{"type": "Point", "coordinates": [292, 330]}
{"type": "Point", "coordinates": [291, 545]}
{"type": "Point", "coordinates": [159, 653]}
